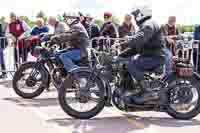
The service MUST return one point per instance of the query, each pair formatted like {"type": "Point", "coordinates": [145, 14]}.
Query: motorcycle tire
{"type": "Point", "coordinates": [19, 74]}
{"type": "Point", "coordinates": [194, 112]}
{"type": "Point", "coordinates": [88, 114]}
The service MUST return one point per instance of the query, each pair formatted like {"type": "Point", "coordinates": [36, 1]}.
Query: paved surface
{"type": "Point", "coordinates": [44, 115]}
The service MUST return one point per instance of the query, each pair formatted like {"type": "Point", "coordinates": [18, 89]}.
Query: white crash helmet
{"type": "Point", "coordinates": [71, 17]}
{"type": "Point", "coordinates": [140, 12]}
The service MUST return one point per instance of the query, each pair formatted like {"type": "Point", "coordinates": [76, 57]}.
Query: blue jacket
{"type": "Point", "coordinates": [37, 30]}
{"type": "Point", "coordinates": [197, 33]}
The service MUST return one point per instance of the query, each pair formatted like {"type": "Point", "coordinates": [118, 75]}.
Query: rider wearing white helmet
{"type": "Point", "coordinates": [149, 43]}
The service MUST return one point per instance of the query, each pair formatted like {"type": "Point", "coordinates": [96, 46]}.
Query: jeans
{"type": "Point", "coordinates": [168, 61]}
{"type": "Point", "coordinates": [68, 58]}
{"type": "Point", "coordinates": [138, 66]}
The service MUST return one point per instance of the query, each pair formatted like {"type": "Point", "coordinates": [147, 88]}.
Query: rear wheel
{"type": "Point", "coordinates": [80, 101]}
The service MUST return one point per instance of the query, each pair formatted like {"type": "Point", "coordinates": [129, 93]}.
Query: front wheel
{"type": "Point", "coordinates": [80, 100]}
{"type": "Point", "coordinates": [184, 98]}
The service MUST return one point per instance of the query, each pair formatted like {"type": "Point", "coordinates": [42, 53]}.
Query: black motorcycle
{"type": "Point", "coordinates": [85, 91]}
{"type": "Point", "coordinates": [32, 78]}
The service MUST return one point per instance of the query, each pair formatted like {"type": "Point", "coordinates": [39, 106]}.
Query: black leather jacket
{"type": "Point", "coordinates": [149, 40]}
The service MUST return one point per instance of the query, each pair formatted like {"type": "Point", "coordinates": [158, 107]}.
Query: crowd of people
{"type": "Point", "coordinates": [17, 28]}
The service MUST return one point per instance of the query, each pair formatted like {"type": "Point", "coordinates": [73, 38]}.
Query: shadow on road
{"type": "Point", "coordinates": [164, 121]}
{"type": "Point", "coordinates": [120, 124]}
{"type": "Point", "coordinates": [117, 124]}
{"type": "Point", "coordinates": [40, 102]}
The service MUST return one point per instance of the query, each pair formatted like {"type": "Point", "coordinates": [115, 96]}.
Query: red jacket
{"type": "Point", "coordinates": [16, 29]}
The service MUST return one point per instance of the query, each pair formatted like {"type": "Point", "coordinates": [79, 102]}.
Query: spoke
{"type": "Point", "coordinates": [94, 99]}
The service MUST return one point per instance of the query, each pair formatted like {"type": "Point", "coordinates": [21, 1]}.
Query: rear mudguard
{"type": "Point", "coordinates": [108, 92]}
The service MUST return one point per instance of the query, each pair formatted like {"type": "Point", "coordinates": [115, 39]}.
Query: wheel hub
{"type": "Point", "coordinates": [30, 82]}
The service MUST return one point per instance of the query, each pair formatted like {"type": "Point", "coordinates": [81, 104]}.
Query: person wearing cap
{"type": "Point", "coordinates": [17, 28]}
{"type": "Point", "coordinates": [108, 29]}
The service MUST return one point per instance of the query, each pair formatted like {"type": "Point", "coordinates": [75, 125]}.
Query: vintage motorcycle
{"type": "Point", "coordinates": [32, 78]}
{"type": "Point", "coordinates": [85, 91]}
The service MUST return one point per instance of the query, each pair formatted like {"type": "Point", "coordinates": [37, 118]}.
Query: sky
{"type": "Point", "coordinates": [185, 10]}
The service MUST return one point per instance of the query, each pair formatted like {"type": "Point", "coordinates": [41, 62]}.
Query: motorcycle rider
{"type": "Point", "coordinates": [149, 43]}
{"type": "Point", "coordinates": [79, 43]}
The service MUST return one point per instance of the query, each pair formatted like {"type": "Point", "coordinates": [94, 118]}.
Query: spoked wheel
{"type": "Point", "coordinates": [184, 99]}
{"type": "Point", "coordinates": [29, 82]}
{"type": "Point", "coordinates": [80, 101]}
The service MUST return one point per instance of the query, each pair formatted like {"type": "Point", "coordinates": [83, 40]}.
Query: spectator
{"type": "Point", "coordinates": [108, 29]}
{"type": "Point", "coordinates": [93, 31]}
{"type": "Point", "coordinates": [195, 51]}
{"type": "Point", "coordinates": [39, 28]}
{"type": "Point", "coordinates": [57, 26]}
{"type": "Point", "coordinates": [17, 28]}
{"type": "Point", "coordinates": [127, 28]}
{"type": "Point", "coordinates": [171, 32]}
{"type": "Point", "coordinates": [83, 20]}
{"type": "Point", "coordinates": [3, 44]}
{"type": "Point", "coordinates": [36, 32]}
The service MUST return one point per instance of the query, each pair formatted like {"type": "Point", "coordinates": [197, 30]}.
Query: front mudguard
{"type": "Point", "coordinates": [108, 92]}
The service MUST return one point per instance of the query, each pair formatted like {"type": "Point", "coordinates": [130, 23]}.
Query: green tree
{"type": "Point", "coordinates": [27, 20]}
{"type": "Point", "coordinates": [60, 17]}
{"type": "Point", "coordinates": [187, 28]}
{"type": "Point", "coordinates": [2, 19]}
{"type": "Point", "coordinates": [115, 20]}
{"type": "Point", "coordinates": [99, 22]}
{"type": "Point", "coordinates": [40, 14]}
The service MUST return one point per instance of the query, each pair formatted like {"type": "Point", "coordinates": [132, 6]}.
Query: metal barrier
{"type": "Point", "coordinates": [12, 54]}
{"type": "Point", "coordinates": [196, 48]}
{"type": "Point", "coordinates": [105, 43]}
